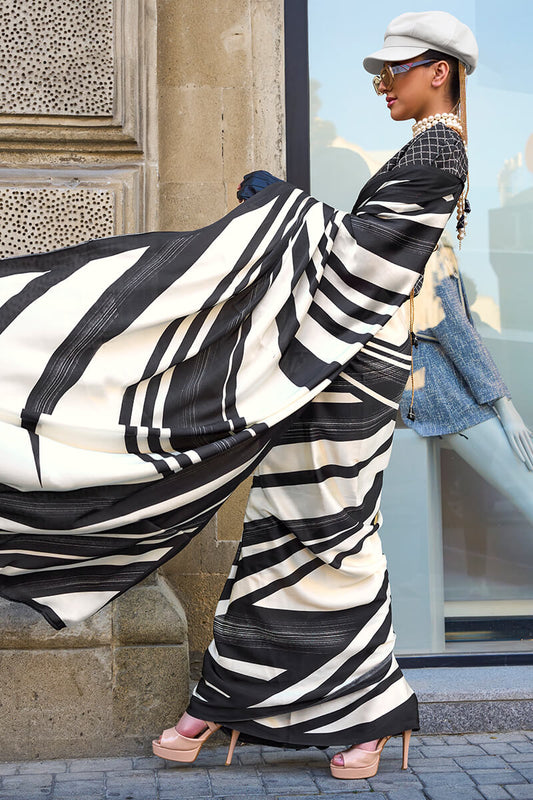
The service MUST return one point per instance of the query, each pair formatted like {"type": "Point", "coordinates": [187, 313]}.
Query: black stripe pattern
{"type": "Point", "coordinates": [143, 377]}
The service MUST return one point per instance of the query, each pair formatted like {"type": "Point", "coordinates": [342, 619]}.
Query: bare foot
{"type": "Point", "coordinates": [190, 726]}
{"type": "Point", "coordinates": [338, 759]}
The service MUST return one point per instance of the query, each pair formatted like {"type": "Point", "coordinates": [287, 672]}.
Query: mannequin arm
{"type": "Point", "coordinates": [517, 432]}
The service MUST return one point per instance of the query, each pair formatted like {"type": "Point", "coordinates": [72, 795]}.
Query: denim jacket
{"type": "Point", "coordinates": [456, 379]}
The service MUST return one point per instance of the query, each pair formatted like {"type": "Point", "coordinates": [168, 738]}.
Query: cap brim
{"type": "Point", "coordinates": [374, 63]}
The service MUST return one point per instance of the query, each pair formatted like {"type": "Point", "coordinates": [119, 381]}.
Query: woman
{"type": "Point", "coordinates": [315, 497]}
{"type": "Point", "coordinates": [124, 428]}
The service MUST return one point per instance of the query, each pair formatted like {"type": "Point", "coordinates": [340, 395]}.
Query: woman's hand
{"type": "Point", "coordinates": [516, 430]}
{"type": "Point", "coordinates": [253, 183]}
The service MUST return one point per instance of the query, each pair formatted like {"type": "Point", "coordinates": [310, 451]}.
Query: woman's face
{"type": "Point", "coordinates": [413, 94]}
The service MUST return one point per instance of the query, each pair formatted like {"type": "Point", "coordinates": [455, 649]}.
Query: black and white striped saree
{"type": "Point", "coordinates": [142, 377]}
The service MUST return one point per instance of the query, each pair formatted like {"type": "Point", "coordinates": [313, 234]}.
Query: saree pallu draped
{"type": "Point", "coordinates": [142, 377]}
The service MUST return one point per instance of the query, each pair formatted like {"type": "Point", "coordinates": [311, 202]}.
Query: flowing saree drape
{"type": "Point", "coordinates": [142, 377]}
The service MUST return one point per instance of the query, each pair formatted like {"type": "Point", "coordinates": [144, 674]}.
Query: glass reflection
{"type": "Point", "coordinates": [486, 492]}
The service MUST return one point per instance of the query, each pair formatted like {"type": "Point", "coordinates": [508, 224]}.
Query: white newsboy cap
{"type": "Point", "coordinates": [411, 34]}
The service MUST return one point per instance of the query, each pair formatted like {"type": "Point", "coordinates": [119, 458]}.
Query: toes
{"type": "Point", "coordinates": [338, 760]}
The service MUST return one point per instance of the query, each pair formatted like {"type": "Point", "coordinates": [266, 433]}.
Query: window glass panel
{"type": "Point", "coordinates": [482, 567]}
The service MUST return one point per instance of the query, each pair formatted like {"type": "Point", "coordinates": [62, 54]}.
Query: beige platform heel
{"type": "Point", "coordinates": [175, 746]}
{"type": "Point", "coordinates": [364, 763]}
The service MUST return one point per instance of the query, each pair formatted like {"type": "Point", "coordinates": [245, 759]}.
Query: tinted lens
{"type": "Point", "coordinates": [375, 83]}
{"type": "Point", "coordinates": [387, 77]}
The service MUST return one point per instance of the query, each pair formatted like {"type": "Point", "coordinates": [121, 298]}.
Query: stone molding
{"type": "Point", "coordinates": [120, 126]}
{"type": "Point", "coordinates": [47, 209]}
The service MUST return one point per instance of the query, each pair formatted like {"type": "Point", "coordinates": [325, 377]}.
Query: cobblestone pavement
{"type": "Point", "coordinates": [484, 766]}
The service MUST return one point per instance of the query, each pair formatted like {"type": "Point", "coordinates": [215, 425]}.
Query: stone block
{"type": "Point", "coordinates": [268, 98]}
{"type": "Point", "coordinates": [149, 615]}
{"type": "Point", "coordinates": [199, 595]}
{"type": "Point", "coordinates": [204, 43]}
{"type": "Point", "coordinates": [230, 517]}
{"type": "Point", "coordinates": [150, 692]}
{"type": "Point", "coordinates": [188, 206]}
{"type": "Point", "coordinates": [190, 137]}
{"type": "Point", "coordinates": [24, 627]}
{"type": "Point", "coordinates": [204, 554]}
{"type": "Point", "coordinates": [237, 126]}
{"type": "Point", "coordinates": [54, 703]}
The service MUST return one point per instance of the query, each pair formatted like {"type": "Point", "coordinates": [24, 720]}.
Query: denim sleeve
{"type": "Point", "coordinates": [464, 346]}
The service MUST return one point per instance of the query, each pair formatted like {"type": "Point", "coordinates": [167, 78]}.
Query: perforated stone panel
{"type": "Point", "coordinates": [56, 57]}
{"type": "Point", "coordinates": [34, 220]}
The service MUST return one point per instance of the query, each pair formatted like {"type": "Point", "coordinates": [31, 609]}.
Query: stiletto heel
{"type": "Point", "coordinates": [360, 763]}
{"type": "Point", "coordinates": [234, 737]}
{"type": "Point", "coordinates": [405, 753]}
{"type": "Point", "coordinates": [175, 746]}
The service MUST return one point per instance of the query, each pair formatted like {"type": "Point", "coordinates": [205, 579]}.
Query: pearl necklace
{"type": "Point", "coordinates": [449, 119]}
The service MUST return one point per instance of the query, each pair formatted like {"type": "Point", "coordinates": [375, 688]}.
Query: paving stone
{"type": "Point", "coordinates": [498, 748]}
{"type": "Point", "coordinates": [343, 796]}
{"type": "Point", "coordinates": [327, 784]}
{"type": "Point", "coordinates": [518, 758]}
{"type": "Point", "coordinates": [65, 777]}
{"type": "Point", "coordinates": [432, 740]}
{"type": "Point", "coordinates": [480, 738]}
{"type": "Point", "coordinates": [284, 780]}
{"type": "Point", "coordinates": [405, 794]}
{"type": "Point", "coordinates": [453, 750]}
{"type": "Point", "coordinates": [131, 785]}
{"type": "Point", "coordinates": [502, 776]}
{"type": "Point", "coordinates": [249, 759]}
{"type": "Point", "coordinates": [243, 780]}
{"type": "Point", "coordinates": [521, 792]}
{"type": "Point", "coordinates": [88, 790]}
{"type": "Point", "coordinates": [481, 762]}
{"type": "Point", "coordinates": [100, 764]}
{"type": "Point", "coordinates": [148, 762]}
{"type": "Point", "coordinates": [42, 767]}
{"type": "Point", "coordinates": [27, 782]}
{"type": "Point", "coordinates": [523, 747]}
{"type": "Point", "coordinates": [189, 782]}
{"type": "Point", "coordinates": [8, 769]}
{"type": "Point", "coordinates": [450, 793]}
{"type": "Point", "coordinates": [526, 771]}
{"type": "Point", "coordinates": [458, 779]}
{"type": "Point", "coordinates": [438, 764]}
{"type": "Point", "coordinates": [386, 783]}
{"type": "Point", "coordinates": [508, 736]}
{"type": "Point", "coordinates": [493, 792]}
{"type": "Point", "coordinates": [310, 757]}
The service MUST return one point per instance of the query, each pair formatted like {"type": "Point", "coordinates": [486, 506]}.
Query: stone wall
{"type": "Point", "coordinates": [222, 115]}
{"type": "Point", "coordinates": [147, 121]}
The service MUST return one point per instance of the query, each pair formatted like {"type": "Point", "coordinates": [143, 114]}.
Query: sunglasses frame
{"type": "Point", "coordinates": [386, 76]}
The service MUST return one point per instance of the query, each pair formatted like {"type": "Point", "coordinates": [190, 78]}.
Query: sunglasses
{"type": "Point", "coordinates": [386, 76]}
